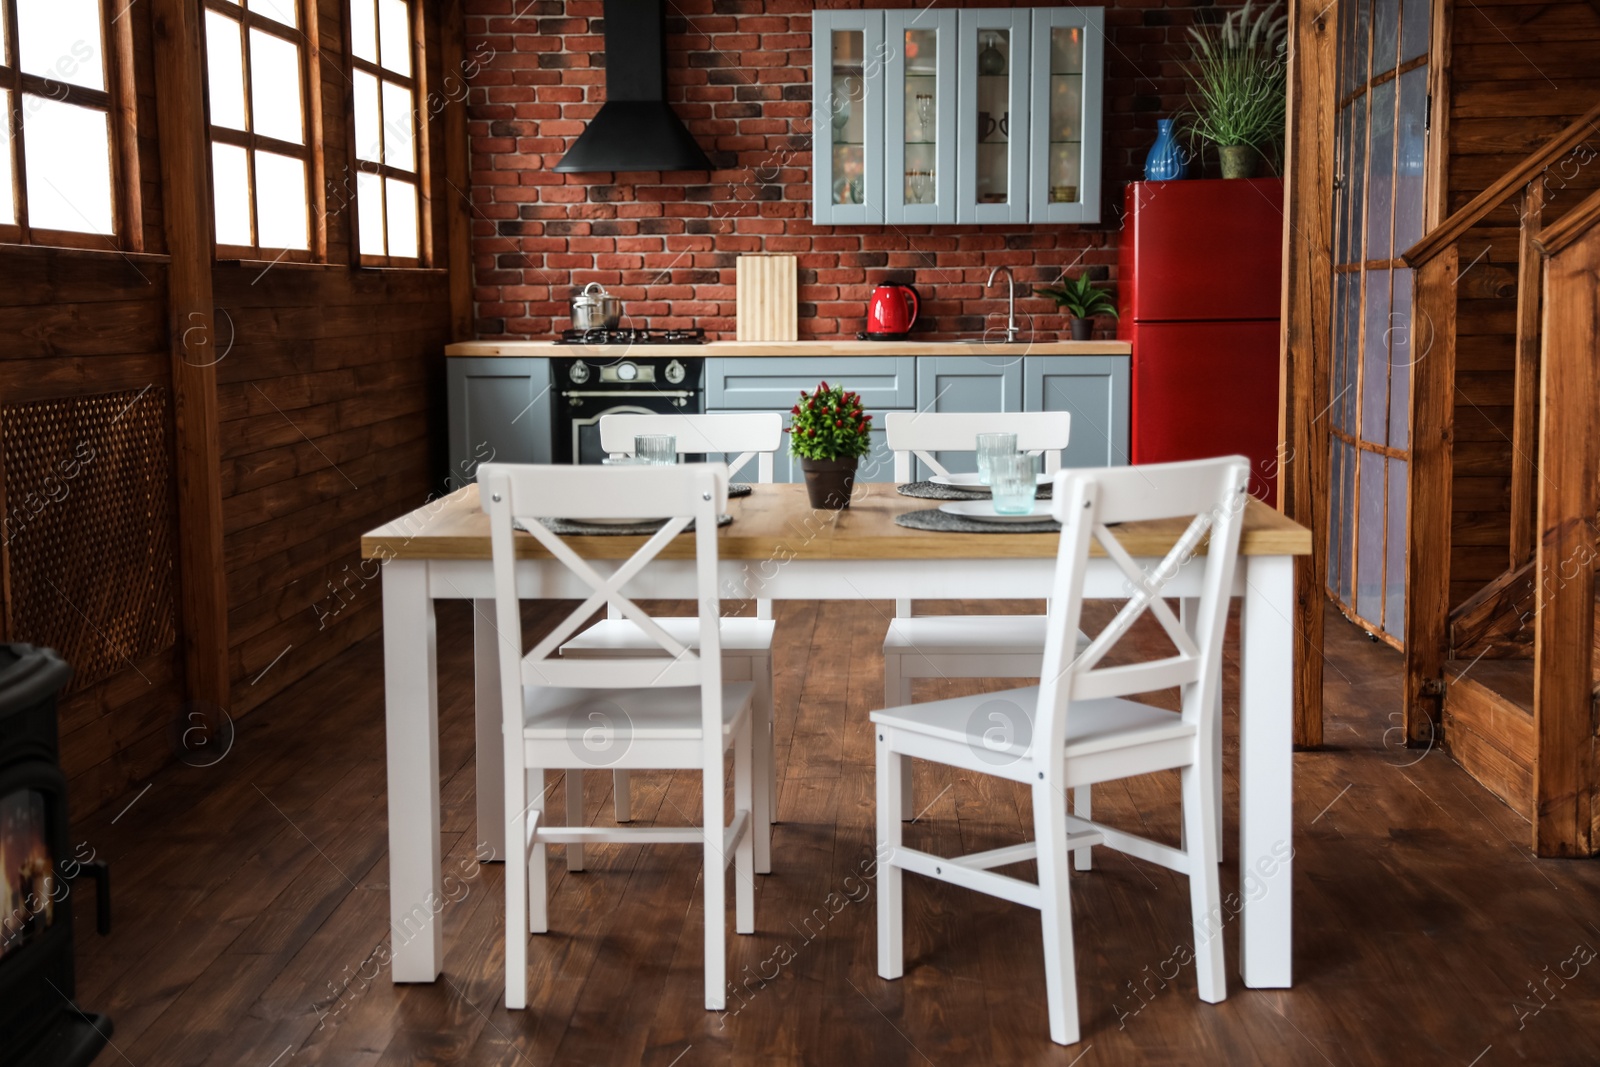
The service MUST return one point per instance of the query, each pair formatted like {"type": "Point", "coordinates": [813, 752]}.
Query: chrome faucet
{"type": "Point", "coordinates": [1011, 301]}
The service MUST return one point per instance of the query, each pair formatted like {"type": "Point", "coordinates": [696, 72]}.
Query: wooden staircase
{"type": "Point", "coordinates": [1507, 677]}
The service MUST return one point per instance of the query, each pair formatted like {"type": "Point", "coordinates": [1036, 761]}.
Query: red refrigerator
{"type": "Point", "coordinates": [1199, 274]}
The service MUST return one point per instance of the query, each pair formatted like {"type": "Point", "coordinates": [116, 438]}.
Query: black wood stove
{"type": "Point", "coordinates": [40, 1025]}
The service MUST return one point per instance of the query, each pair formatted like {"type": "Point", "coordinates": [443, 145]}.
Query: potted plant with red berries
{"type": "Point", "coordinates": [830, 434]}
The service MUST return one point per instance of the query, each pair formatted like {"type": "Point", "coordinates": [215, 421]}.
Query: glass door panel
{"type": "Point", "coordinates": [992, 123]}
{"type": "Point", "coordinates": [1064, 185]}
{"type": "Point", "coordinates": [1379, 208]}
{"type": "Point", "coordinates": [847, 117]}
{"type": "Point", "coordinates": [920, 107]}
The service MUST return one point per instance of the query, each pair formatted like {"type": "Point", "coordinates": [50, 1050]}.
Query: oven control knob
{"type": "Point", "coordinates": [675, 372]}
{"type": "Point", "coordinates": [579, 372]}
{"type": "Point", "coordinates": [627, 372]}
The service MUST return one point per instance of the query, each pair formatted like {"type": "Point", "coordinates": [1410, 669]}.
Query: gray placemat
{"type": "Point", "coordinates": [934, 491]}
{"type": "Point", "coordinates": [574, 528]}
{"type": "Point", "coordinates": [943, 522]}
{"type": "Point", "coordinates": [740, 489]}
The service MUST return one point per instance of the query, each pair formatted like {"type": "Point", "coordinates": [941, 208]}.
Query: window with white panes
{"type": "Point", "coordinates": [261, 140]}
{"type": "Point", "coordinates": [389, 142]}
{"type": "Point", "coordinates": [57, 173]}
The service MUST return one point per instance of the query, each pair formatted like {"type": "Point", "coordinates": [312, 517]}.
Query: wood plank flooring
{"type": "Point", "coordinates": [251, 899]}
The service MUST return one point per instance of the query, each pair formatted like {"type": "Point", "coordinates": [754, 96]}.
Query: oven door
{"type": "Point", "coordinates": [578, 415]}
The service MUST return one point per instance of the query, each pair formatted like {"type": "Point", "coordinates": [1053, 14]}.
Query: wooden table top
{"type": "Point", "coordinates": [777, 519]}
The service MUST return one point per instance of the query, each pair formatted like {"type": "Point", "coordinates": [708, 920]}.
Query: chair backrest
{"type": "Point", "coordinates": [526, 495]}
{"type": "Point", "coordinates": [1207, 499]}
{"type": "Point", "coordinates": [922, 433]}
{"type": "Point", "coordinates": [745, 435]}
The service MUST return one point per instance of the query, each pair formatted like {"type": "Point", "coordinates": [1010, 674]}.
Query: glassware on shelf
{"type": "Point", "coordinates": [920, 183]}
{"type": "Point", "coordinates": [925, 115]}
{"type": "Point", "coordinates": [991, 60]}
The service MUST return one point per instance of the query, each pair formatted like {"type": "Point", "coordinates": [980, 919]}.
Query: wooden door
{"type": "Point", "coordinates": [1379, 202]}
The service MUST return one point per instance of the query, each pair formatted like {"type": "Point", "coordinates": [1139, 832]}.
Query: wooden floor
{"type": "Point", "coordinates": [251, 907]}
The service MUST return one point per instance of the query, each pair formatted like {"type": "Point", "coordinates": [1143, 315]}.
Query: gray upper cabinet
{"type": "Point", "coordinates": [499, 410]}
{"type": "Point", "coordinates": [980, 115]}
{"type": "Point", "coordinates": [967, 383]}
{"type": "Point", "coordinates": [1096, 389]}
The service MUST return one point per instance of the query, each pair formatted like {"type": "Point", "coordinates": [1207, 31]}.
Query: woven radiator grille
{"type": "Point", "coordinates": [88, 528]}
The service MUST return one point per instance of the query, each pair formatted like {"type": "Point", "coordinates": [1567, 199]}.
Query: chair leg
{"type": "Point", "coordinates": [537, 877]}
{"type": "Point", "coordinates": [715, 878]}
{"type": "Point", "coordinates": [891, 921]}
{"type": "Point", "coordinates": [1055, 913]}
{"type": "Point", "coordinates": [1204, 892]}
{"type": "Point", "coordinates": [574, 816]}
{"type": "Point", "coordinates": [1216, 763]}
{"type": "Point", "coordinates": [1082, 858]}
{"type": "Point", "coordinates": [517, 816]}
{"type": "Point", "coordinates": [897, 694]}
{"type": "Point", "coordinates": [765, 797]}
{"type": "Point", "coordinates": [744, 794]}
{"type": "Point", "coordinates": [621, 797]}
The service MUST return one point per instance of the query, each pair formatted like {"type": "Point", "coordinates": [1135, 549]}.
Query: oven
{"type": "Point", "coordinates": [591, 386]}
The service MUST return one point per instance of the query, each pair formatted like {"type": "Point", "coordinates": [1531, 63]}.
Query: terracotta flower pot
{"type": "Point", "coordinates": [829, 481]}
{"type": "Point", "coordinates": [1238, 160]}
{"type": "Point", "coordinates": [1082, 329]}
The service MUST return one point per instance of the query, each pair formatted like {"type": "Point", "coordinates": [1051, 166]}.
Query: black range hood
{"type": "Point", "coordinates": [635, 129]}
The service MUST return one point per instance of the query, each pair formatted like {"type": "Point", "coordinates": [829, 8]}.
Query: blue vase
{"type": "Point", "coordinates": [1166, 159]}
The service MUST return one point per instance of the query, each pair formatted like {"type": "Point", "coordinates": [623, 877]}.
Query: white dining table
{"type": "Point", "coordinates": [779, 548]}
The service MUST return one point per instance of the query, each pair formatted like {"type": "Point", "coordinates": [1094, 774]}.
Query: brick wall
{"type": "Point", "coordinates": [739, 74]}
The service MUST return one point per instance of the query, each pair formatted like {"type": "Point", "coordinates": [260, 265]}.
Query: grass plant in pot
{"type": "Point", "coordinates": [1081, 299]}
{"type": "Point", "coordinates": [830, 434]}
{"type": "Point", "coordinates": [1240, 73]}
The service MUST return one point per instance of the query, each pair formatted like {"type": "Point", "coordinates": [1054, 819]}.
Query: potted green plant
{"type": "Point", "coordinates": [1081, 299]}
{"type": "Point", "coordinates": [830, 434]}
{"type": "Point", "coordinates": [1241, 81]}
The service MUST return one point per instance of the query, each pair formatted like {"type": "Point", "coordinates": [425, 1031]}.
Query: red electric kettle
{"type": "Point", "coordinates": [891, 311]}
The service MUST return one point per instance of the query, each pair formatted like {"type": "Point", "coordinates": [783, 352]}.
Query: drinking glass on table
{"type": "Point", "coordinates": [991, 445]}
{"type": "Point", "coordinates": [1013, 483]}
{"type": "Point", "coordinates": [660, 449]}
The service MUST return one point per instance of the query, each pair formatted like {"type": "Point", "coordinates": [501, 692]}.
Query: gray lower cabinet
{"type": "Point", "coordinates": [499, 410]}
{"type": "Point", "coordinates": [967, 383]}
{"type": "Point", "coordinates": [1096, 389]}
{"type": "Point", "coordinates": [773, 383]}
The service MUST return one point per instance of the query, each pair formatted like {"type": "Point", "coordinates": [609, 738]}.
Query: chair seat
{"type": "Point", "coordinates": [1093, 726]}
{"type": "Point", "coordinates": [624, 635]}
{"type": "Point", "coordinates": [941, 635]}
{"type": "Point", "coordinates": [555, 713]}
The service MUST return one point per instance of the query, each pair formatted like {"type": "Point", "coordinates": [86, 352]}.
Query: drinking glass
{"type": "Point", "coordinates": [920, 181]}
{"type": "Point", "coordinates": [1014, 483]}
{"type": "Point", "coordinates": [660, 449]}
{"type": "Point", "coordinates": [991, 445]}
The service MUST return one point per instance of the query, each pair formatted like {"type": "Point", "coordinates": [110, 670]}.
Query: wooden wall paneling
{"type": "Point", "coordinates": [1428, 550]}
{"type": "Point", "coordinates": [1524, 437]}
{"type": "Point", "coordinates": [1441, 32]}
{"type": "Point", "coordinates": [190, 318]}
{"type": "Point", "coordinates": [457, 168]}
{"type": "Point", "coordinates": [1564, 775]}
{"type": "Point", "coordinates": [1304, 456]}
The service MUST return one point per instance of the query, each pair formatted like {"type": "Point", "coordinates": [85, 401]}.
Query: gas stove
{"type": "Point", "coordinates": [695, 336]}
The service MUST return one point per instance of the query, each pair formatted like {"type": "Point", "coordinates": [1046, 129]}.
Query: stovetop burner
{"type": "Point", "coordinates": [696, 336]}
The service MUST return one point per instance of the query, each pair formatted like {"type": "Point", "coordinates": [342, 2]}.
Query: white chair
{"type": "Point", "coordinates": [1078, 728]}
{"type": "Point", "coordinates": [746, 643]}
{"type": "Point", "coordinates": [964, 646]}
{"type": "Point", "coordinates": [669, 709]}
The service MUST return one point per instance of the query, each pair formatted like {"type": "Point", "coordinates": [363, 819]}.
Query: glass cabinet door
{"type": "Point", "coordinates": [992, 116]}
{"type": "Point", "coordinates": [847, 117]}
{"type": "Point", "coordinates": [919, 116]}
{"type": "Point", "coordinates": [1068, 54]}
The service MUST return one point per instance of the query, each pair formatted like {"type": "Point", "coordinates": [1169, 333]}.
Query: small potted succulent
{"type": "Point", "coordinates": [830, 434]}
{"type": "Point", "coordinates": [1082, 300]}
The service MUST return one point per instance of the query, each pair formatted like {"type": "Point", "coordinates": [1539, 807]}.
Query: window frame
{"type": "Point", "coordinates": [417, 85]}
{"type": "Point", "coordinates": [310, 153]}
{"type": "Point", "coordinates": [121, 136]}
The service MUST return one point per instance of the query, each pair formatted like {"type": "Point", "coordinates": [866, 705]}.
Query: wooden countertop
{"type": "Point", "coordinates": [777, 519]}
{"type": "Point", "coordinates": [841, 347]}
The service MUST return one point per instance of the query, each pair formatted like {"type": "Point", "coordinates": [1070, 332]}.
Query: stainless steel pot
{"type": "Point", "coordinates": [596, 309]}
